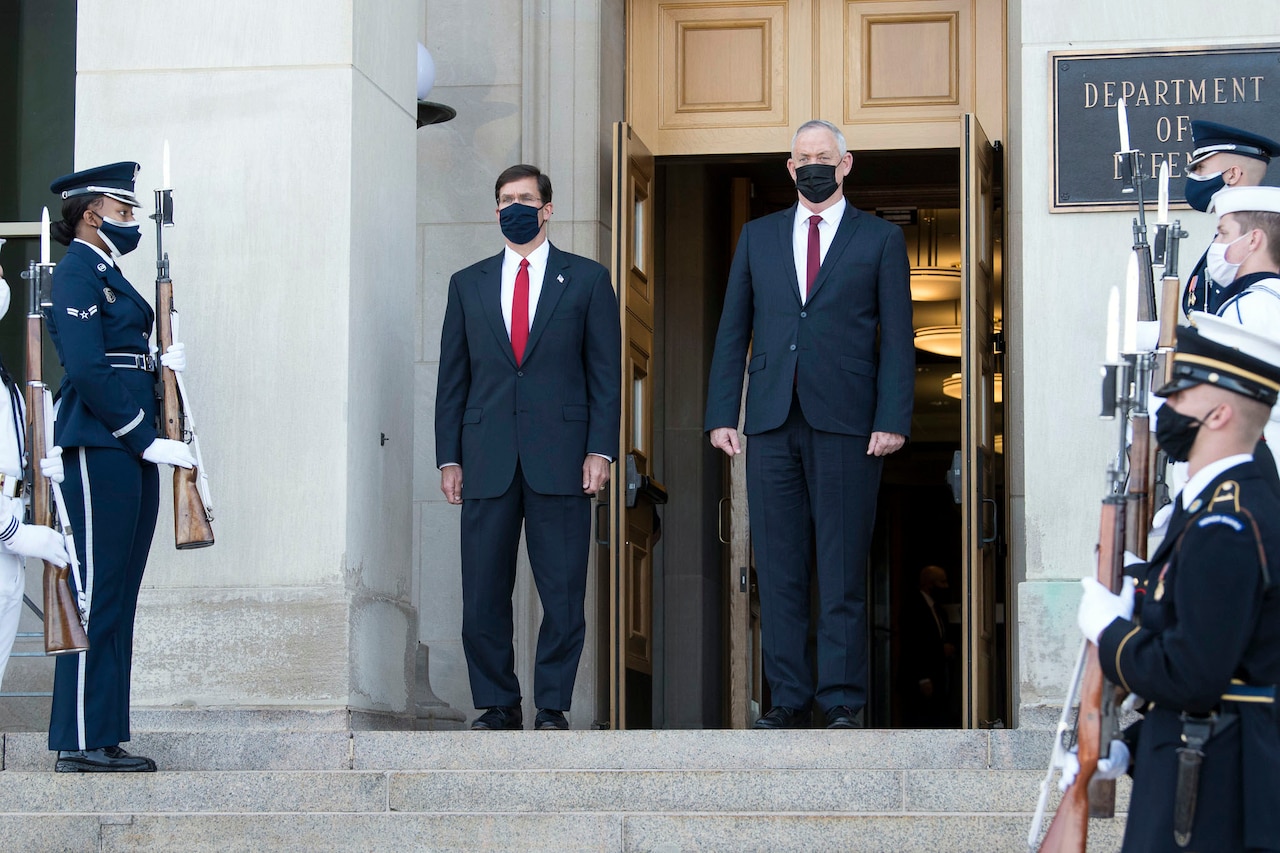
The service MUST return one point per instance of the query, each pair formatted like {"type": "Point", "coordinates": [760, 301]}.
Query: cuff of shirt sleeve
{"type": "Point", "coordinates": [444, 465]}
{"type": "Point", "coordinates": [608, 459]}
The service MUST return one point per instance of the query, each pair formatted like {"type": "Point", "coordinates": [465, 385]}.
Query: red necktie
{"type": "Point", "coordinates": [520, 312]}
{"type": "Point", "coordinates": [815, 255]}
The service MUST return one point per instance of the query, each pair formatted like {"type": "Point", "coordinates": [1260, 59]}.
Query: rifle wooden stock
{"type": "Point", "coordinates": [191, 527]}
{"type": "Point", "coordinates": [63, 632]}
{"type": "Point", "coordinates": [1138, 512]}
{"type": "Point", "coordinates": [1170, 293]}
{"type": "Point", "coordinates": [1069, 830]}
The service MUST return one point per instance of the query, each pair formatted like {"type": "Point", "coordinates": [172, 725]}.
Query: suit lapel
{"type": "Point", "coordinates": [787, 256]}
{"type": "Point", "coordinates": [490, 287]}
{"type": "Point", "coordinates": [844, 234]}
{"type": "Point", "coordinates": [120, 284]}
{"type": "Point", "coordinates": [554, 282]}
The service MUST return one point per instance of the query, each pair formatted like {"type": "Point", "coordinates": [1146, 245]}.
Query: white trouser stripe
{"type": "Point", "coordinates": [88, 588]}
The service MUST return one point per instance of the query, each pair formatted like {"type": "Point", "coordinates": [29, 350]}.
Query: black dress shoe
{"type": "Point", "coordinates": [107, 759]}
{"type": "Point", "coordinates": [550, 718]}
{"type": "Point", "coordinates": [843, 717]}
{"type": "Point", "coordinates": [782, 717]}
{"type": "Point", "coordinates": [501, 718]}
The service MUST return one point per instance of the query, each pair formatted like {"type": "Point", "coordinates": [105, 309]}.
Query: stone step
{"type": "Point", "coordinates": [530, 791]}
{"type": "Point", "coordinates": [605, 832]}
{"type": "Point", "coordinates": [268, 749]}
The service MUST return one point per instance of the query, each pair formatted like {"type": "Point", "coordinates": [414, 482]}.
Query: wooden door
{"type": "Point", "coordinates": [631, 530]}
{"type": "Point", "coordinates": [979, 509]}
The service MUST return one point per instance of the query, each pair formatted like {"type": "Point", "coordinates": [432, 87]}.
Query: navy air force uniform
{"type": "Point", "coordinates": [1203, 644]}
{"type": "Point", "coordinates": [1210, 138]}
{"type": "Point", "coordinates": [106, 417]}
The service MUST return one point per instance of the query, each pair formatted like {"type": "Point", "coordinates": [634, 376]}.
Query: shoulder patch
{"type": "Point", "coordinates": [1234, 523]}
{"type": "Point", "coordinates": [85, 314]}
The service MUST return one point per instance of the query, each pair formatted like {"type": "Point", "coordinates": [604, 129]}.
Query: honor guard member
{"type": "Point", "coordinates": [106, 423]}
{"type": "Point", "coordinates": [1198, 635]}
{"type": "Point", "coordinates": [1223, 157]}
{"type": "Point", "coordinates": [17, 540]}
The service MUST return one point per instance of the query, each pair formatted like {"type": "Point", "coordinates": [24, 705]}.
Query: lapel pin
{"type": "Point", "coordinates": [102, 267]}
{"type": "Point", "coordinates": [560, 279]}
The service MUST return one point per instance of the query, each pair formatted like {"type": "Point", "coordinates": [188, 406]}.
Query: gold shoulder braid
{"type": "Point", "coordinates": [1228, 492]}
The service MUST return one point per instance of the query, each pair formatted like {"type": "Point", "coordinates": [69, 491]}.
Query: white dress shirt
{"type": "Point", "coordinates": [537, 268]}
{"type": "Point", "coordinates": [800, 238]}
{"type": "Point", "coordinates": [105, 257]}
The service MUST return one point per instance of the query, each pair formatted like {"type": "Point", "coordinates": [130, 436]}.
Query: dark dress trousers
{"type": "Point", "coordinates": [521, 434]}
{"type": "Point", "coordinates": [823, 375]}
{"type": "Point", "coordinates": [106, 417]}
{"type": "Point", "coordinates": [1206, 614]}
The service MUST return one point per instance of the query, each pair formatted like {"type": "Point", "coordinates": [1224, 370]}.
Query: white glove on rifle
{"type": "Point", "coordinates": [51, 465]}
{"type": "Point", "coordinates": [164, 451]}
{"type": "Point", "coordinates": [34, 540]}
{"type": "Point", "coordinates": [1100, 607]}
{"type": "Point", "coordinates": [1111, 767]}
{"type": "Point", "coordinates": [175, 358]}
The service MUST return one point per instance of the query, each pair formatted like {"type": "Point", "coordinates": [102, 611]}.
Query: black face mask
{"type": "Point", "coordinates": [519, 222]}
{"type": "Point", "coordinates": [816, 182]}
{"type": "Point", "coordinates": [1176, 432]}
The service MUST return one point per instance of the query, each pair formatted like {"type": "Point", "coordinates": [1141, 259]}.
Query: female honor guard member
{"type": "Point", "coordinates": [17, 540]}
{"type": "Point", "coordinates": [106, 423]}
{"type": "Point", "coordinates": [1198, 636]}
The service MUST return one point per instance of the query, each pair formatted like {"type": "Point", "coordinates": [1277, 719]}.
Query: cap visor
{"type": "Point", "coordinates": [1180, 383]}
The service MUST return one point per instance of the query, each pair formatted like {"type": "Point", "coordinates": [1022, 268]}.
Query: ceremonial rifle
{"type": "Point", "coordinates": [64, 625]}
{"type": "Point", "coordinates": [192, 507]}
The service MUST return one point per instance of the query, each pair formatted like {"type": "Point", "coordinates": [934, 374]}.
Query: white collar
{"type": "Point", "coordinates": [832, 215]}
{"type": "Point", "coordinates": [1208, 474]}
{"type": "Point", "coordinates": [537, 258]}
{"type": "Point", "coordinates": [101, 253]}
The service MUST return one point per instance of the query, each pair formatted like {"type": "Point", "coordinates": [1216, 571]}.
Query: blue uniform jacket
{"type": "Point", "coordinates": [1207, 611]}
{"type": "Point", "coordinates": [96, 311]}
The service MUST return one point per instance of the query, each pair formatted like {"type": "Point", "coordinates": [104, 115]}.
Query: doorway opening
{"type": "Point", "coordinates": [704, 664]}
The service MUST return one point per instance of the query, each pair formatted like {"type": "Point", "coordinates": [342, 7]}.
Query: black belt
{"type": "Point", "coordinates": [132, 361]}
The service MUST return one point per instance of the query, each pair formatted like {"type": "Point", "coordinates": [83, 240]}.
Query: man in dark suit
{"type": "Point", "coordinates": [821, 293]}
{"type": "Point", "coordinates": [528, 404]}
{"type": "Point", "coordinates": [923, 650]}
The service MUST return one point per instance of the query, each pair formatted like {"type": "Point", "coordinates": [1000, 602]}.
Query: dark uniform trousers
{"type": "Point", "coordinates": [112, 497]}
{"type": "Point", "coordinates": [795, 473]}
{"type": "Point", "coordinates": [557, 535]}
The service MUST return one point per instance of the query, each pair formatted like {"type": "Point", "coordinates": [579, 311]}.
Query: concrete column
{"type": "Point", "coordinates": [292, 135]}
{"type": "Point", "coordinates": [540, 82]}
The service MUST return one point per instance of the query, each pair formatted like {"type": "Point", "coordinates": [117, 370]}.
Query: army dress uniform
{"type": "Point", "coordinates": [106, 417]}
{"type": "Point", "coordinates": [1203, 647]}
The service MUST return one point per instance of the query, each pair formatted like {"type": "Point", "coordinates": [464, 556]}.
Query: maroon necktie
{"type": "Point", "coordinates": [814, 257]}
{"type": "Point", "coordinates": [520, 312]}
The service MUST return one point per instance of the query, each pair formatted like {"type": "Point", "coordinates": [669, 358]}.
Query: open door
{"type": "Point", "coordinates": [633, 493]}
{"type": "Point", "coordinates": [980, 511]}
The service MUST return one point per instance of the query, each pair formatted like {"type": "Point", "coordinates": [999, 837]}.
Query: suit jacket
{"type": "Point", "coordinates": [96, 311]}
{"type": "Point", "coordinates": [563, 401]}
{"type": "Point", "coordinates": [1206, 610]}
{"type": "Point", "coordinates": [849, 351]}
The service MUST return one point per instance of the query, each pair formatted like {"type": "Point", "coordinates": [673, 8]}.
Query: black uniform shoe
{"type": "Point", "coordinates": [499, 719]}
{"type": "Point", "coordinates": [108, 759]}
{"type": "Point", "coordinates": [549, 718]}
{"type": "Point", "coordinates": [843, 717]}
{"type": "Point", "coordinates": [782, 717]}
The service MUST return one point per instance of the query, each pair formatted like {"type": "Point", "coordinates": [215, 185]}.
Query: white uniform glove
{"type": "Point", "coordinates": [51, 465]}
{"type": "Point", "coordinates": [164, 451]}
{"type": "Point", "coordinates": [1100, 607]}
{"type": "Point", "coordinates": [175, 358]}
{"type": "Point", "coordinates": [1111, 767]}
{"type": "Point", "coordinates": [34, 540]}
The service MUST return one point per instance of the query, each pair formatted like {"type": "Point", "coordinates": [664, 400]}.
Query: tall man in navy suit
{"type": "Point", "coordinates": [821, 293]}
{"type": "Point", "coordinates": [527, 405]}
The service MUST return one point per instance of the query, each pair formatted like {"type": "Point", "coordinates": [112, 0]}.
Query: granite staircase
{"type": "Point", "coordinates": [224, 787]}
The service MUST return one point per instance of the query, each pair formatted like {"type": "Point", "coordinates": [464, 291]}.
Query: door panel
{"type": "Point", "coordinates": [632, 529]}
{"type": "Point", "coordinates": [979, 508]}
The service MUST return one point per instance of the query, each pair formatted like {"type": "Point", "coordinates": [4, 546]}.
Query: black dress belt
{"type": "Point", "coordinates": [132, 361]}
